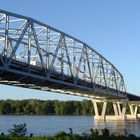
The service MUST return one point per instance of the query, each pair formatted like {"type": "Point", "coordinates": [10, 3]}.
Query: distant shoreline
{"type": "Point", "coordinates": [49, 107]}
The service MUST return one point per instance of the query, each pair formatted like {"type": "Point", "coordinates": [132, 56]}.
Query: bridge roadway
{"type": "Point", "coordinates": [37, 56]}
{"type": "Point", "coordinates": [17, 75]}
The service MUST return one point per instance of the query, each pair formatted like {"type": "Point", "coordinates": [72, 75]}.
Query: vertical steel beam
{"type": "Point", "coordinates": [18, 42]}
{"type": "Point", "coordinates": [29, 47]}
{"type": "Point", "coordinates": [79, 65]}
{"type": "Point", "coordinates": [84, 65]}
{"type": "Point", "coordinates": [54, 57]}
{"type": "Point", "coordinates": [104, 76]}
{"type": "Point", "coordinates": [62, 57]}
{"type": "Point", "coordinates": [68, 58]}
{"type": "Point", "coordinates": [38, 48]}
{"type": "Point", "coordinates": [48, 48]}
{"type": "Point", "coordinates": [89, 68]}
{"type": "Point", "coordinates": [93, 69]}
{"type": "Point", "coordinates": [115, 79]}
{"type": "Point", "coordinates": [74, 59]}
{"type": "Point", "coordinates": [6, 38]}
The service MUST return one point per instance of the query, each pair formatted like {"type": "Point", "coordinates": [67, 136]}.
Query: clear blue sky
{"type": "Point", "coordinates": [112, 27]}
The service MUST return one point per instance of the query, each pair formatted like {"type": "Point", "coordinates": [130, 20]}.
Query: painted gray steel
{"type": "Point", "coordinates": [36, 55]}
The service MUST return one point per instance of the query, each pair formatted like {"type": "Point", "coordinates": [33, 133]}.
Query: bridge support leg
{"type": "Point", "coordinates": [118, 107]}
{"type": "Point", "coordinates": [96, 110]}
{"type": "Point", "coordinates": [133, 111]}
{"type": "Point", "coordinates": [115, 109]}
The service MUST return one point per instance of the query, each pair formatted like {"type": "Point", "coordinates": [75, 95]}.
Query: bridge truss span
{"type": "Point", "coordinates": [36, 55]}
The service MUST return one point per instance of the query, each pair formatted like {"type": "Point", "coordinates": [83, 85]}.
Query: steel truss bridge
{"type": "Point", "coordinates": [37, 56]}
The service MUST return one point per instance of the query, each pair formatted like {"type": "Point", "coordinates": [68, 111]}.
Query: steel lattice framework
{"type": "Point", "coordinates": [36, 55]}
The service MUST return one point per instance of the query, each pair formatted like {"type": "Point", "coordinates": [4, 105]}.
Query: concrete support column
{"type": "Point", "coordinates": [119, 108]}
{"type": "Point", "coordinates": [133, 106]}
{"type": "Point", "coordinates": [124, 104]}
{"type": "Point", "coordinates": [98, 116]}
{"type": "Point", "coordinates": [115, 109]}
{"type": "Point", "coordinates": [95, 108]}
{"type": "Point", "coordinates": [104, 109]}
{"type": "Point", "coordinates": [136, 110]}
{"type": "Point", "coordinates": [131, 109]}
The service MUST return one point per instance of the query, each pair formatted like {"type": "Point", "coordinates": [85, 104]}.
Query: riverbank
{"type": "Point", "coordinates": [19, 133]}
{"type": "Point", "coordinates": [74, 137]}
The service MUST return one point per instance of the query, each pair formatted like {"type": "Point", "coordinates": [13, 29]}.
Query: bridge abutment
{"type": "Point", "coordinates": [120, 109]}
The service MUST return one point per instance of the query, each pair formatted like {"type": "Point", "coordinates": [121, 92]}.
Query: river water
{"type": "Point", "coordinates": [50, 125]}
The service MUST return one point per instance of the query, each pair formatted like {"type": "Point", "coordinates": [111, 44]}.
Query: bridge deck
{"type": "Point", "coordinates": [17, 75]}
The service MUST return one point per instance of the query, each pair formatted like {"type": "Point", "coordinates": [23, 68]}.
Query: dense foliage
{"type": "Point", "coordinates": [51, 107]}
{"type": "Point", "coordinates": [48, 107]}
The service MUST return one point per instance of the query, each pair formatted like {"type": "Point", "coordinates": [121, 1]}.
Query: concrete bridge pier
{"type": "Point", "coordinates": [119, 108]}
{"type": "Point", "coordinates": [133, 106]}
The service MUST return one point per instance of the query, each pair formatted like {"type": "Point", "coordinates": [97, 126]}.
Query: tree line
{"type": "Point", "coordinates": [51, 107]}
{"type": "Point", "coordinates": [48, 107]}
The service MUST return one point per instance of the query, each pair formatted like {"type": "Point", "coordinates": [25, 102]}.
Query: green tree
{"type": "Point", "coordinates": [28, 108]}
{"type": "Point", "coordinates": [78, 107]}
{"type": "Point", "coordinates": [6, 107]}
{"type": "Point", "coordinates": [86, 105]}
{"type": "Point", "coordinates": [69, 107]}
{"type": "Point", "coordinates": [39, 109]}
{"type": "Point", "coordinates": [57, 107]}
{"type": "Point", "coordinates": [18, 130]}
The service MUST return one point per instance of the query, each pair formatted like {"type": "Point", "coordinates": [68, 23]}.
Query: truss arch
{"type": "Point", "coordinates": [44, 51]}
